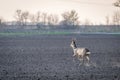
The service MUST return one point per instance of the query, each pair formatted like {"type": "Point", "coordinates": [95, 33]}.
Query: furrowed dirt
{"type": "Point", "coordinates": [49, 57]}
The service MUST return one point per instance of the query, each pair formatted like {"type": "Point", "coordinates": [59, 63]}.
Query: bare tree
{"type": "Point", "coordinates": [49, 19]}
{"type": "Point", "coordinates": [38, 16]}
{"type": "Point", "coordinates": [35, 18]}
{"type": "Point", "coordinates": [116, 18]}
{"type": "Point", "coordinates": [32, 18]}
{"type": "Point", "coordinates": [1, 21]}
{"type": "Point", "coordinates": [107, 20]}
{"type": "Point", "coordinates": [18, 17]}
{"type": "Point", "coordinates": [117, 3]}
{"type": "Point", "coordinates": [44, 18]}
{"type": "Point", "coordinates": [52, 19]}
{"type": "Point", "coordinates": [21, 17]}
{"type": "Point", "coordinates": [70, 18]}
{"type": "Point", "coordinates": [25, 16]}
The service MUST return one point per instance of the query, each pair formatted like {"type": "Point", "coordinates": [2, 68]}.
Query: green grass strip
{"type": "Point", "coordinates": [31, 33]}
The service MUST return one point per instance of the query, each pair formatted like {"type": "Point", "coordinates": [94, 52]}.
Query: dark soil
{"type": "Point", "coordinates": [49, 57]}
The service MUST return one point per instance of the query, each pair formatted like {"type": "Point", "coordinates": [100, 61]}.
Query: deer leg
{"type": "Point", "coordinates": [80, 64]}
{"type": "Point", "coordinates": [88, 59]}
{"type": "Point", "coordinates": [81, 61]}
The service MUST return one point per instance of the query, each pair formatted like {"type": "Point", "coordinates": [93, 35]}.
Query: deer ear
{"type": "Point", "coordinates": [74, 39]}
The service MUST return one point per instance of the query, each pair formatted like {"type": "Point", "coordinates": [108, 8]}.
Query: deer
{"type": "Point", "coordinates": [80, 53]}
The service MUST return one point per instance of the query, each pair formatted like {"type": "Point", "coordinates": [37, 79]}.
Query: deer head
{"type": "Point", "coordinates": [73, 44]}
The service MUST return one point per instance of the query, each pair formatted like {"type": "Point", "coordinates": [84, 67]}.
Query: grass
{"type": "Point", "coordinates": [31, 33]}
{"type": "Point", "coordinates": [40, 32]}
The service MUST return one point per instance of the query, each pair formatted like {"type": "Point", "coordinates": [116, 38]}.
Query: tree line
{"type": "Point", "coordinates": [41, 18]}
{"type": "Point", "coordinates": [23, 17]}
{"type": "Point", "coordinates": [69, 18]}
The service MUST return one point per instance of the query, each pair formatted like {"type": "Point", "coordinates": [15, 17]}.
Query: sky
{"type": "Point", "coordinates": [93, 10]}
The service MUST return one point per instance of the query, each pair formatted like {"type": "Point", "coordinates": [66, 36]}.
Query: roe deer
{"type": "Point", "coordinates": [81, 53]}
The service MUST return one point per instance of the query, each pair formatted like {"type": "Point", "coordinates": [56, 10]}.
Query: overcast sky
{"type": "Point", "coordinates": [94, 10]}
